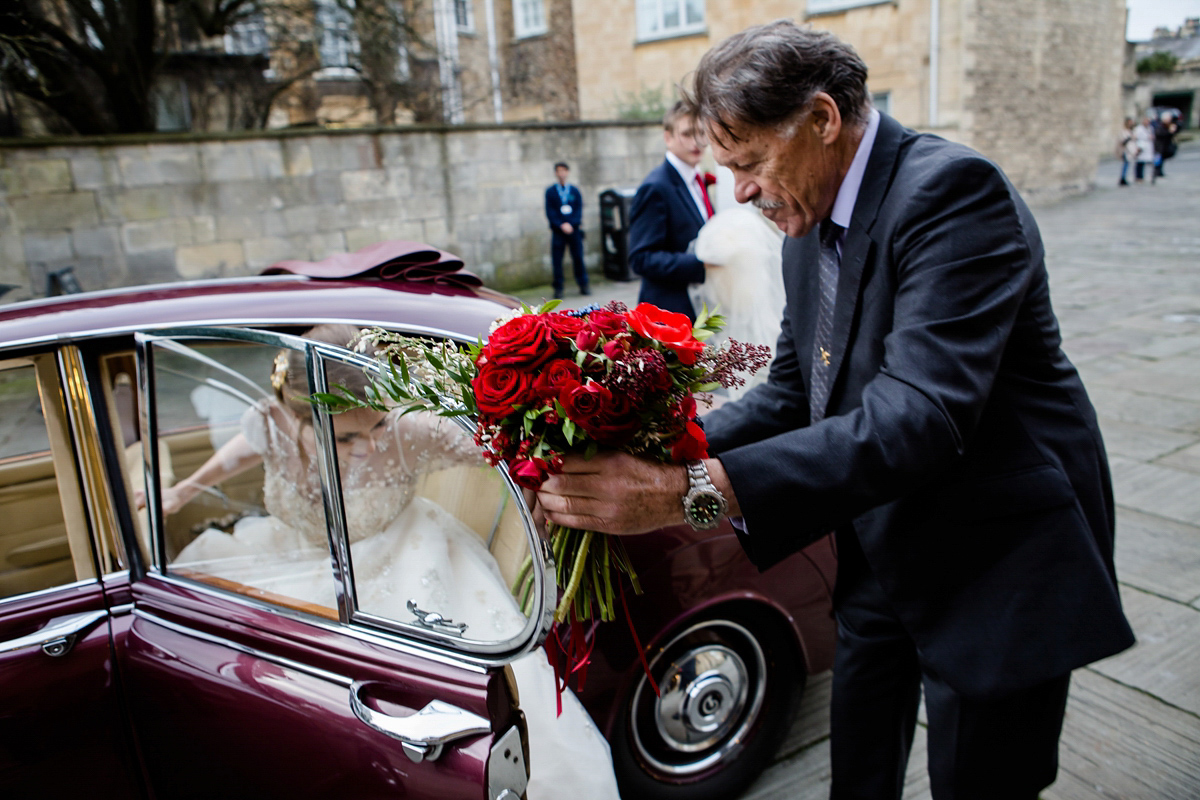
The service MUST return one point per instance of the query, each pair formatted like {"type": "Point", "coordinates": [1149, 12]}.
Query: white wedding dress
{"type": "Point", "coordinates": [743, 279]}
{"type": "Point", "coordinates": [402, 547]}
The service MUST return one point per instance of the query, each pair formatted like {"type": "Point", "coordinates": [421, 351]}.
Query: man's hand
{"type": "Point", "coordinates": [567, 228]}
{"type": "Point", "coordinates": [614, 493]}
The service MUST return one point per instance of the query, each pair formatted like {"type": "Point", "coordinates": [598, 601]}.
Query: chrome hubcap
{"type": "Point", "coordinates": [712, 692]}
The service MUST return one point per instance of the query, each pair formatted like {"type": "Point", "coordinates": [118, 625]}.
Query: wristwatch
{"type": "Point", "coordinates": [703, 505]}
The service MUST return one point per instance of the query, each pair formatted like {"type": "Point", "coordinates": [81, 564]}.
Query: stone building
{"type": "Point", "coordinates": [1033, 84]}
{"type": "Point", "coordinates": [1173, 88]}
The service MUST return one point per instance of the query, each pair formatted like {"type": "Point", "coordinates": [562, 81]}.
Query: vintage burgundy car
{"type": "Point", "coordinates": [126, 671]}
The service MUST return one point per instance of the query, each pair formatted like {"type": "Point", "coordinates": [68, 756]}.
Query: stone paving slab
{"type": "Point", "coordinates": [1158, 555]}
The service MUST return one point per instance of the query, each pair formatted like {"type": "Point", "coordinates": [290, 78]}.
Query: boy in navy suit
{"type": "Point", "coordinates": [564, 210]}
{"type": "Point", "coordinates": [670, 207]}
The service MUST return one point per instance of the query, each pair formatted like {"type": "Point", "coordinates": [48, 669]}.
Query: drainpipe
{"type": "Point", "coordinates": [494, 61]}
{"type": "Point", "coordinates": [446, 34]}
{"type": "Point", "coordinates": [934, 34]}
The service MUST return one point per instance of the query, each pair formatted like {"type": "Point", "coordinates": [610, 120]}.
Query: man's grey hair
{"type": "Point", "coordinates": [766, 75]}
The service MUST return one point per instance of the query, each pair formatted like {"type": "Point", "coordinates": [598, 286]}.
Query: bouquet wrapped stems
{"type": "Point", "coordinates": [584, 563]}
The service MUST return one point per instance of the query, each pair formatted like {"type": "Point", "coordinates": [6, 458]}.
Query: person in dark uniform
{"type": "Point", "coordinates": [564, 210]}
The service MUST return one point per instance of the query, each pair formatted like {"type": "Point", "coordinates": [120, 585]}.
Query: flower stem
{"type": "Point", "coordinates": [577, 571]}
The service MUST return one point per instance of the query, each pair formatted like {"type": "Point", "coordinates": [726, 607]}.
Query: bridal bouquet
{"type": "Point", "coordinates": [548, 383]}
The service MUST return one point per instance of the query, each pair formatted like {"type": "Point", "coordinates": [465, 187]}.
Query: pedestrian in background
{"type": "Point", "coordinates": [564, 210]}
{"type": "Point", "coordinates": [670, 207]}
{"type": "Point", "coordinates": [1127, 150]}
{"type": "Point", "coordinates": [1143, 134]}
{"type": "Point", "coordinates": [1164, 141]}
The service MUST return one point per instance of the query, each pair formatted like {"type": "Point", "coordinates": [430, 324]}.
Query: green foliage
{"type": "Point", "coordinates": [646, 103]}
{"type": "Point", "coordinates": [1158, 61]}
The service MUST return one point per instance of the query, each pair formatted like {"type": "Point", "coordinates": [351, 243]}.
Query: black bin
{"type": "Point", "coordinates": [614, 232]}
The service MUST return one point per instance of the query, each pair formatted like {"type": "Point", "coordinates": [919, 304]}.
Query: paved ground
{"type": "Point", "coordinates": [1126, 284]}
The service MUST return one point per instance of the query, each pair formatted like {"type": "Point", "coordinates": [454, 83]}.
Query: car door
{"type": "Point", "coordinates": [62, 732]}
{"type": "Point", "coordinates": [257, 670]}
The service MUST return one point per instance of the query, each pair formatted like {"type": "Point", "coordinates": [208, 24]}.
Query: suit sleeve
{"type": "Point", "coordinates": [576, 215]}
{"type": "Point", "coordinates": [963, 262]}
{"type": "Point", "coordinates": [650, 251]}
{"type": "Point", "coordinates": [553, 212]}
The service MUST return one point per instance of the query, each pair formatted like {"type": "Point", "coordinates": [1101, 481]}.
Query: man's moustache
{"type": "Point", "coordinates": [766, 205]}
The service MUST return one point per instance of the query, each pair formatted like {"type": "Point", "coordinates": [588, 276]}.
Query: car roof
{"type": "Point", "coordinates": [262, 300]}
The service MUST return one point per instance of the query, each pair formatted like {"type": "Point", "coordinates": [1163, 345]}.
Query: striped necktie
{"type": "Point", "coordinates": [822, 377]}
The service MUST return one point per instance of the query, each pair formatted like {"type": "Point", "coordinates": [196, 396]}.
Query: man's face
{"type": "Point", "coordinates": [561, 173]}
{"type": "Point", "coordinates": [793, 179]}
{"type": "Point", "coordinates": [682, 141]}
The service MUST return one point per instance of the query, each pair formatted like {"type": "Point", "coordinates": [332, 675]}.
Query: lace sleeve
{"type": "Point", "coordinates": [254, 427]}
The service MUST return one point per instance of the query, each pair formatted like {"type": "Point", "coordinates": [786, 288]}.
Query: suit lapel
{"type": "Point", "coordinates": [681, 189]}
{"type": "Point", "coordinates": [857, 244]}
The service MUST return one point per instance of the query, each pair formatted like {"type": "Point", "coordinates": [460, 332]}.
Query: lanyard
{"type": "Point", "coordinates": [564, 192]}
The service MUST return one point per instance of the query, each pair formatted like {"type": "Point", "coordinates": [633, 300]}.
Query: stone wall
{"type": "Point", "coordinates": [126, 211]}
{"type": "Point", "coordinates": [1043, 87]}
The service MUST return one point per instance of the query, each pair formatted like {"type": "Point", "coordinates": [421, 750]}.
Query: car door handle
{"type": "Point", "coordinates": [58, 636]}
{"type": "Point", "coordinates": [421, 734]}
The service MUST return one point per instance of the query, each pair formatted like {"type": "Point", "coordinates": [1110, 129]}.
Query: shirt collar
{"type": "Point", "coordinates": [847, 196]}
{"type": "Point", "coordinates": [688, 173]}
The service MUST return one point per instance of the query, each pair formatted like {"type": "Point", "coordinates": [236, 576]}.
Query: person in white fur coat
{"type": "Point", "coordinates": [742, 251]}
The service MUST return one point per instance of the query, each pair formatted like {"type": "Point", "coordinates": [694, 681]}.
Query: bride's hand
{"type": "Point", "coordinates": [539, 513]}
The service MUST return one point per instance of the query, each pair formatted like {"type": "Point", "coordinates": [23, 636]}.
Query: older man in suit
{"type": "Point", "coordinates": [669, 209]}
{"type": "Point", "coordinates": [919, 407]}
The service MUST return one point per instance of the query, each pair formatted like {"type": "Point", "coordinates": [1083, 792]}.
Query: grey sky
{"type": "Point", "coordinates": [1146, 15]}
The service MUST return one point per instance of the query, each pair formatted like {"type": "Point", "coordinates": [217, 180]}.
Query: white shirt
{"type": "Point", "coordinates": [688, 173]}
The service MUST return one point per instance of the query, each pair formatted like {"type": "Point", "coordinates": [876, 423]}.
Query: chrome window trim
{"type": "Point", "coordinates": [12, 598]}
{"type": "Point", "coordinates": [311, 671]}
{"type": "Point", "coordinates": [233, 323]}
{"type": "Point", "coordinates": [468, 651]}
{"type": "Point", "coordinates": [407, 647]}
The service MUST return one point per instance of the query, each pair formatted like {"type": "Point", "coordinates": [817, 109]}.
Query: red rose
{"type": "Point", "coordinates": [563, 325]}
{"type": "Point", "coordinates": [586, 339]}
{"type": "Point", "coordinates": [608, 322]}
{"type": "Point", "coordinates": [691, 445]}
{"type": "Point", "coordinates": [614, 348]}
{"type": "Point", "coordinates": [529, 473]}
{"type": "Point", "coordinates": [559, 374]}
{"type": "Point", "coordinates": [615, 423]}
{"type": "Point", "coordinates": [498, 389]}
{"type": "Point", "coordinates": [582, 402]}
{"type": "Point", "coordinates": [524, 341]}
{"type": "Point", "coordinates": [673, 330]}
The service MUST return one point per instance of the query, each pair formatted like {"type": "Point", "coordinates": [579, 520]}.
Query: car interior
{"type": "Point", "coordinates": [198, 408]}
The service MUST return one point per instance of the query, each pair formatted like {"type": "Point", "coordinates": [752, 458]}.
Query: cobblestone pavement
{"type": "Point", "coordinates": [1123, 264]}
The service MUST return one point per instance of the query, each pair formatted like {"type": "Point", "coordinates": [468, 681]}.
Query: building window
{"type": "Point", "coordinates": [339, 41]}
{"type": "Point", "coordinates": [832, 6]}
{"type": "Point", "coordinates": [658, 19]}
{"type": "Point", "coordinates": [247, 36]}
{"type": "Point", "coordinates": [882, 101]}
{"type": "Point", "coordinates": [529, 18]}
{"type": "Point", "coordinates": [464, 17]}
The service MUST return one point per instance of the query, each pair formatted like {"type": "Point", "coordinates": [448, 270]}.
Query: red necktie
{"type": "Point", "coordinates": [704, 193]}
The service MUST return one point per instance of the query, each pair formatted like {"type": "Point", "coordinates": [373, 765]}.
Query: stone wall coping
{"type": "Point", "coordinates": [292, 133]}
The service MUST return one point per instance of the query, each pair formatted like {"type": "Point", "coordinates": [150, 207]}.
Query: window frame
{"type": "Point", "coordinates": [816, 8]}
{"type": "Point", "coordinates": [336, 31]}
{"type": "Point", "coordinates": [350, 619]}
{"type": "Point", "coordinates": [467, 25]}
{"type": "Point", "coordinates": [522, 29]}
{"type": "Point", "coordinates": [644, 34]}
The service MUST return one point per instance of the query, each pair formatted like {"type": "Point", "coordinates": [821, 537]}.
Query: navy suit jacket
{"type": "Point", "coordinates": [554, 206]}
{"type": "Point", "coordinates": [663, 220]}
{"type": "Point", "coordinates": [959, 445]}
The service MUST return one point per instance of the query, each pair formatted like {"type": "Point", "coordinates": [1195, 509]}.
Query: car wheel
{"type": "Point", "coordinates": [726, 689]}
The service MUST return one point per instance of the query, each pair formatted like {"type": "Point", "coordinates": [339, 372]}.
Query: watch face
{"type": "Point", "coordinates": [705, 509]}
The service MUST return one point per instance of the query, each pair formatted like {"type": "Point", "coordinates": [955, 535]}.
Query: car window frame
{"type": "Point", "coordinates": [72, 499]}
{"type": "Point", "coordinates": [427, 642]}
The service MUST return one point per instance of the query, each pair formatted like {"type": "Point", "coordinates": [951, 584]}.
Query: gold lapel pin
{"type": "Point", "coordinates": [824, 356]}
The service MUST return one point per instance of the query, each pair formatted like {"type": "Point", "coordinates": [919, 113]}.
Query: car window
{"type": "Point", "coordinates": [437, 540]}
{"type": "Point", "coordinates": [239, 485]}
{"type": "Point", "coordinates": [37, 551]}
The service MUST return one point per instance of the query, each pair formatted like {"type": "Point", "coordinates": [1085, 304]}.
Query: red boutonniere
{"type": "Point", "coordinates": [709, 179]}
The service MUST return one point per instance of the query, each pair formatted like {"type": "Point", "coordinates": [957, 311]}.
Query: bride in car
{"type": "Point", "coordinates": [404, 547]}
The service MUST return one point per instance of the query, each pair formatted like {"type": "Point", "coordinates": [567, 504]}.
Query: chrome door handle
{"type": "Point", "coordinates": [422, 734]}
{"type": "Point", "coordinates": [58, 636]}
